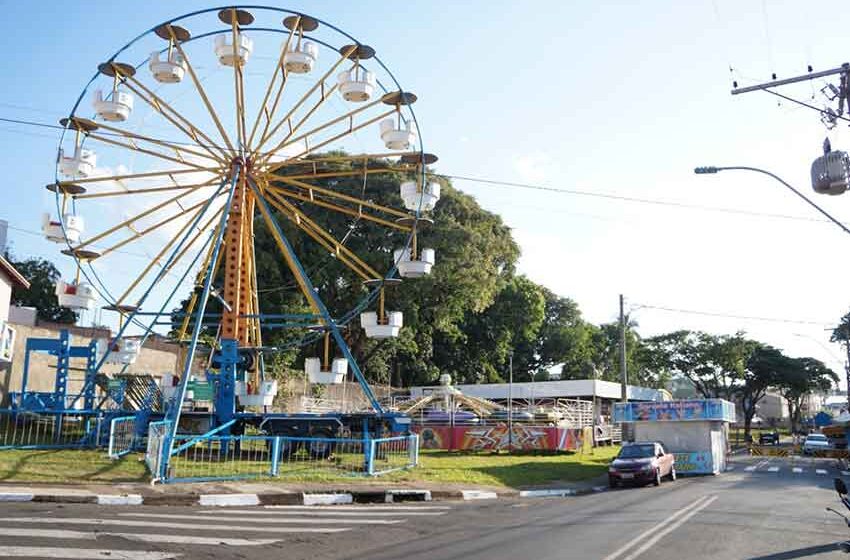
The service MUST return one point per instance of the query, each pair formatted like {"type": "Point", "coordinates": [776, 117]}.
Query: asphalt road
{"type": "Point", "coordinates": [763, 509]}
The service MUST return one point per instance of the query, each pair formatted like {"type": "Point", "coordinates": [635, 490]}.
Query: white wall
{"type": "Point", "coordinates": [5, 297]}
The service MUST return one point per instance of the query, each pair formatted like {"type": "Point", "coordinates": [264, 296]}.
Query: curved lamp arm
{"type": "Point", "coordinates": [711, 169]}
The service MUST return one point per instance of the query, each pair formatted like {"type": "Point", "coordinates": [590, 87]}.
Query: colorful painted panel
{"type": "Point", "coordinates": [676, 411]}
{"type": "Point", "coordinates": [699, 462]}
{"type": "Point", "coordinates": [496, 437]}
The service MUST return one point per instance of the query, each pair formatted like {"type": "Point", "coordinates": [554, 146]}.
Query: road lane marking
{"type": "Point", "coordinates": [773, 469]}
{"type": "Point", "coordinates": [651, 542]}
{"type": "Point", "coordinates": [797, 470]}
{"type": "Point", "coordinates": [348, 508]}
{"type": "Point", "coordinates": [820, 471]}
{"type": "Point", "coordinates": [750, 469]}
{"type": "Point", "coordinates": [171, 525]}
{"type": "Point", "coordinates": [675, 515]}
{"type": "Point", "coordinates": [139, 537]}
{"type": "Point", "coordinates": [845, 473]}
{"type": "Point", "coordinates": [268, 520]}
{"type": "Point", "coordinates": [319, 512]}
{"type": "Point", "coordinates": [82, 553]}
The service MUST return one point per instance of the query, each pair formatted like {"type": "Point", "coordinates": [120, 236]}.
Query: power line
{"type": "Point", "coordinates": [732, 316]}
{"type": "Point", "coordinates": [530, 186]}
{"type": "Point", "coordinates": [624, 198]}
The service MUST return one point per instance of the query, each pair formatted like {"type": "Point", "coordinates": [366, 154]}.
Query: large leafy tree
{"type": "Point", "coordinates": [476, 255]}
{"type": "Point", "coordinates": [807, 376]}
{"type": "Point", "coordinates": [42, 276]}
{"type": "Point", "coordinates": [766, 368]}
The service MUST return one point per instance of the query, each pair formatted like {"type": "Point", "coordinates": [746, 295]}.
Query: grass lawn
{"type": "Point", "coordinates": [70, 466]}
{"type": "Point", "coordinates": [516, 470]}
{"type": "Point", "coordinates": [437, 467]}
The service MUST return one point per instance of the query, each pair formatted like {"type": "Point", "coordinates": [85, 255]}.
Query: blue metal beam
{"type": "Point", "coordinates": [271, 222]}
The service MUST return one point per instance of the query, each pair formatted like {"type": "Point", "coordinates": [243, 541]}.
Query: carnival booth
{"type": "Point", "coordinates": [696, 431]}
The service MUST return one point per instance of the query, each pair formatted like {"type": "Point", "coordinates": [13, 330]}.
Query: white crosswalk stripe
{"type": "Point", "coordinates": [271, 525]}
{"type": "Point", "coordinates": [269, 520]}
{"type": "Point", "coordinates": [820, 471]}
{"type": "Point", "coordinates": [82, 553]}
{"type": "Point", "coordinates": [797, 470]}
{"type": "Point", "coordinates": [773, 469]}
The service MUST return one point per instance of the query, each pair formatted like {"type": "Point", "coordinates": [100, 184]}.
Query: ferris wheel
{"type": "Point", "coordinates": [207, 128]}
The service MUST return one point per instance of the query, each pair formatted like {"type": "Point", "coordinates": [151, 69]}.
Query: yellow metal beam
{"type": "Point", "coordinates": [348, 198]}
{"type": "Point", "coordinates": [200, 89]}
{"type": "Point", "coordinates": [342, 209]}
{"type": "Point", "coordinates": [106, 194]}
{"type": "Point", "coordinates": [279, 69]}
{"type": "Point", "coordinates": [320, 82]}
{"type": "Point", "coordinates": [170, 174]}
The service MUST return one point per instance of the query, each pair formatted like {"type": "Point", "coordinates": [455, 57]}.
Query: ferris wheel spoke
{"type": "Point", "coordinates": [199, 278]}
{"type": "Point", "coordinates": [131, 220]}
{"type": "Point", "coordinates": [288, 140]}
{"type": "Point", "coordinates": [155, 261]}
{"type": "Point", "coordinates": [320, 83]}
{"type": "Point", "coordinates": [279, 70]}
{"type": "Point", "coordinates": [142, 233]}
{"type": "Point", "coordinates": [168, 173]}
{"type": "Point", "coordinates": [341, 158]}
{"type": "Point", "coordinates": [184, 125]}
{"type": "Point", "coordinates": [320, 235]}
{"type": "Point", "coordinates": [358, 213]}
{"type": "Point", "coordinates": [149, 190]}
{"type": "Point", "coordinates": [238, 84]}
{"type": "Point", "coordinates": [200, 88]}
{"type": "Point", "coordinates": [312, 189]}
{"type": "Point", "coordinates": [284, 248]}
{"type": "Point", "coordinates": [139, 149]}
{"type": "Point", "coordinates": [351, 130]}
{"type": "Point", "coordinates": [321, 174]}
{"type": "Point", "coordinates": [178, 148]}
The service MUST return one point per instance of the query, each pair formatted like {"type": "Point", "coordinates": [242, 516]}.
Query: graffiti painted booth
{"type": "Point", "coordinates": [696, 431]}
{"type": "Point", "coordinates": [497, 437]}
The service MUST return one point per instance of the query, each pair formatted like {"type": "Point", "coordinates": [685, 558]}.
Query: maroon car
{"type": "Point", "coordinates": [641, 462]}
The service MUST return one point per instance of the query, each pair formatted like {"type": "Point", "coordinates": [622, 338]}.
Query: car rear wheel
{"type": "Point", "coordinates": [657, 481]}
{"type": "Point", "coordinates": [612, 483]}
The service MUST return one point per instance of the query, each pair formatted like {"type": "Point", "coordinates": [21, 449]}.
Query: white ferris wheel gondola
{"type": "Point", "coordinates": [224, 49]}
{"type": "Point", "coordinates": [420, 199]}
{"type": "Point", "coordinates": [301, 58]}
{"type": "Point", "coordinates": [124, 351]}
{"type": "Point", "coordinates": [377, 327]}
{"type": "Point", "coordinates": [398, 135]}
{"type": "Point", "coordinates": [325, 376]}
{"type": "Point", "coordinates": [414, 268]}
{"type": "Point", "coordinates": [80, 165]}
{"type": "Point", "coordinates": [264, 396]}
{"type": "Point", "coordinates": [75, 295]}
{"type": "Point", "coordinates": [53, 231]}
{"type": "Point", "coordinates": [169, 70]}
{"type": "Point", "coordinates": [356, 85]}
{"type": "Point", "coordinates": [116, 108]}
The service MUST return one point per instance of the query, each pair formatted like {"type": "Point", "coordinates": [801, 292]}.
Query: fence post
{"type": "Point", "coordinates": [413, 449]}
{"type": "Point", "coordinates": [275, 468]}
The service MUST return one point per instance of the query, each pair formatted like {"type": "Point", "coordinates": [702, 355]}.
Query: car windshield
{"type": "Point", "coordinates": [816, 437]}
{"type": "Point", "coordinates": [636, 452]}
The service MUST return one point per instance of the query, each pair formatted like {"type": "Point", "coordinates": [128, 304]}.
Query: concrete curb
{"type": "Point", "coordinates": [387, 496]}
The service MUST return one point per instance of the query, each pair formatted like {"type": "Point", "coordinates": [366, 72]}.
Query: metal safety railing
{"type": "Point", "coordinates": [155, 451]}
{"type": "Point", "coordinates": [122, 436]}
{"type": "Point", "coordinates": [48, 430]}
{"type": "Point", "coordinates": [226, 457]}
{"type": "Point", "coordinates": [393, 454]}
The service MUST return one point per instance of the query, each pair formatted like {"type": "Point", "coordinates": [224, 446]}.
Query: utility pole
{"type": "Point", "coordinates": [624, 375]}
{"type": "Point", "coordinates": [511, 402]}
{"type": "Point", "coordinates": [847, 371]}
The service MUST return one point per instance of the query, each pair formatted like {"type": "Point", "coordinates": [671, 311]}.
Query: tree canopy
{"type": "Point", "coordinates": [42, 276]}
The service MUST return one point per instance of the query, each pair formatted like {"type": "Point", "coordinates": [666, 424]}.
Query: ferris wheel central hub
{"type": "Point", "coordinates": [245, 165]}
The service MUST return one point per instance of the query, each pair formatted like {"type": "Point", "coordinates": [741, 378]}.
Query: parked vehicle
{"type": "Point", "coordinates": [769, 438]}
{"type": "Point", "coordinates": [640, 463]}
{"type": "Point", "coordinates": [815, 442]}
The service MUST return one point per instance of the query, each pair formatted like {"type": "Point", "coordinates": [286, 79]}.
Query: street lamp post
{"type": "Point", "coordinates": [712, 169]}
{"type": "Point", "coordinates": [510, 402]}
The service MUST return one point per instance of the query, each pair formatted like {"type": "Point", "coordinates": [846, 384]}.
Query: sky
{"type": "Point", "coordinates": [613, 98]}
